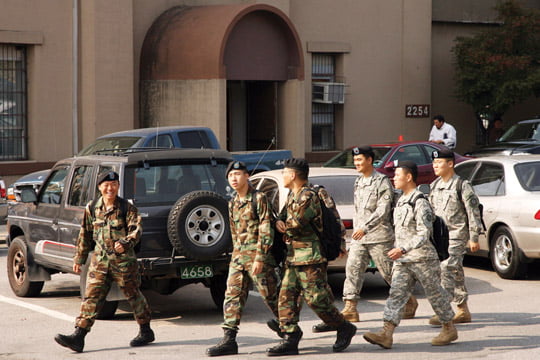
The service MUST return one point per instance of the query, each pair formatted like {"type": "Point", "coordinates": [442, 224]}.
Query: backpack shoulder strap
{"type": "Point", "coordinates": [93, 207]}
{"type": "Point", "coordinates": [254, 204]}
{"type": "Point", "coordinates": [413, 201]}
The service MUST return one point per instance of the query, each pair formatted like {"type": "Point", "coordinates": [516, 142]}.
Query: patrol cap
{"type": "Point", "coordinates": [108, 176]}
{"type": "Point", "coordinates": [410, 165]}
{"type": "Point", "coordinates": [365, 150]}
{"type": "Point", "coordinates": [298, 164]}
{"type": "Point", "coordinates": [443, 154]}
{"type": "Point", "coordinates": [235, 165]}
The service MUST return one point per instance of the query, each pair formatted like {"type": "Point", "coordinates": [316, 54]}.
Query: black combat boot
{"type": "Point", "coordinates": [289, 345]}
{"type": "Point", "coordinates": [227, 346]}
{"type": "Point", "coordinates": [273, 324]}
{"type": "Point", "coordinates": [145, 336]}
{"type": "Point", "coordinates": [345, 333]}
{"type": "Point", "coordinates": [74, 341]}
{"type": "Point", "coordinates": [323, 327]}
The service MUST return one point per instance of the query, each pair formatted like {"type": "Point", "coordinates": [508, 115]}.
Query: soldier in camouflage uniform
{"type": "Point", "coordinates": [250, 217]}
{"type": "Point", "coordinates": [454, 200]}
{"type": "Point", "coordinates": [112, 235]}
{"type": "Point", "coordinates": [305, 268]}
{"type": "Point", "coordinates": [415, 259]}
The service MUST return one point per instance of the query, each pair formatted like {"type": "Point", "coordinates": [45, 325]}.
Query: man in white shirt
{"type": "Point", "coordinates": [443, 133]}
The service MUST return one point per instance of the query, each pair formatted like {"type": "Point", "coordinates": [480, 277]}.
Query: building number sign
{"type": "Point", "coordinates": [417, 111]}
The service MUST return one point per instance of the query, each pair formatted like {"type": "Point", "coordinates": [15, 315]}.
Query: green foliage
{"type": "Point", "coordinates": [500, 67]}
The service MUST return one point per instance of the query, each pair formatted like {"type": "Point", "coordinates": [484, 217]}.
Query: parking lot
{"type": "Point", "coordinates": [506, 323]}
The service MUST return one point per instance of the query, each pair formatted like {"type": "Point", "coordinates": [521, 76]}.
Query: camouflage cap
{"type": "Point", "coordinates": [236, 165]}
{"type": "Point", "coordinates": [442, 154]}
{"type": "Point", "coordinates": [108, 176]}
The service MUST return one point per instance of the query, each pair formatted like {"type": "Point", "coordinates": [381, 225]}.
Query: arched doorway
{"type": "Point", "coordinates": [221, 66]}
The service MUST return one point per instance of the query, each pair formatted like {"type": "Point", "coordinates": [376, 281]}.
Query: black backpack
{"type": "Point", "coordinates": [279, 248]}
{"type": "Point", "coordinates": [331, 237]}
{"type": "Point", "coordinates": [440, 236]}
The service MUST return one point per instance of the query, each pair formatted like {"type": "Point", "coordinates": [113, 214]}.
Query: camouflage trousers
{"type": "Point", "coordinates": [357, 263]}
{"type": "Point", "coordinates": [453, 276]}
{"type": "Point", "coordinates": [309, 282]}
{"type": "Point", "coordinates": [404, 277]}
{"type": "Point", "coordinates": [100, 277]}
{"type": "Point", "coordinates": [238, 283]}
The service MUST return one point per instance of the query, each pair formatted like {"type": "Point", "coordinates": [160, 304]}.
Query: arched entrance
{"type": "Point", "coordinates": [225, 66]}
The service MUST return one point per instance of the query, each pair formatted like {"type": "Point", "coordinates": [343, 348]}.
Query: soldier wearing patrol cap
{"type": "Point", "coordinates": [454, 200]}
{"type": "Point", "coordinates": [305, 267]}
{"type": "Point", "coordinates": [250, 216]}
{"type": "Point", "coordinates": [111, 228]}
{"type": "Point", "coordinates": [415, 259]}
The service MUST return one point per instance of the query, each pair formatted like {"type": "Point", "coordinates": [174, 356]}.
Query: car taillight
{"type": "Point", "coordinates": [348, 224]}
{"type": "Point", "coordinates": [2, 192]}
{"type": "Point", "coordinates": [537, 215]}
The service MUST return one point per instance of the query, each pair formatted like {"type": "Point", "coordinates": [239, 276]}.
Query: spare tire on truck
{"type": "Point", "coordinates": [198, 225]}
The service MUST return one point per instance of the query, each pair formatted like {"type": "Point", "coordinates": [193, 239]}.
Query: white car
{"type": "Point", "coordinates": [337, 181]}
{"type": "Point", "coordinates": [509, 190]}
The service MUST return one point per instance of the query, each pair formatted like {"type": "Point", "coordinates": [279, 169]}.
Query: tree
{"type": "Point", "coordinates": [500, 66]}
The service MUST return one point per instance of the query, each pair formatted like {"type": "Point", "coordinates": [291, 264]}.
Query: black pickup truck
{"type": "Point", "coordinates": [181, 196]}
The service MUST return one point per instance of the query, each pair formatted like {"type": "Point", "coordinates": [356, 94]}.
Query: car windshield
{"type": "Point", "coordinates": [522, 131]}
{"type": "Point", "coordinates": [163, 184]}
{"type": "Point", "coordinates": [341, 187]}
{"type": "Point", "coordinates": [110, 144]}
{"type": "Point", "coordinates": [528, 175]}
{"type": "Point", "coordinates": [345, 160]}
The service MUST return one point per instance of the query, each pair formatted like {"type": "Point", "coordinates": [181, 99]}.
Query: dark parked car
{"type": "Point", "coordinates": [521, 138]}
{"type": "Point", "coordinates": [386, 156]}
{"type": "Point", "coordinates": [181, 197]}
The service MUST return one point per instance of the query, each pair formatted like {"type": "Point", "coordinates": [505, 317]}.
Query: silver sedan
{"type": "Point", "coordinates": [509, 190]}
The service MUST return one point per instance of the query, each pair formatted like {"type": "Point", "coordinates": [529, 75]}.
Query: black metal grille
{"type": "Point", "coordinates": [322, 115]}
{"type": "Point", "coordinates": [13, 102]}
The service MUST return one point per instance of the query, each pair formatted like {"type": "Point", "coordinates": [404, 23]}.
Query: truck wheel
{"type": "Point", "coordinates": [108, 309]}
{"type": "Point", "coordinates": [198, 225]}
{"type": "Point", "coordinates": [17, 269]}
{"type": "Point", "coordinates": [218, 285]}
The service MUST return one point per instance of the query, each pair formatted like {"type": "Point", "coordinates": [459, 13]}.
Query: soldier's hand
{"type": "Point", "coordinates": [280, 226]}
{"type": "Point", "coordinates": [118, 248]}
{"type": "Point", "coordinates": [358, 234]}
{"type": "Point", "coordinates": [474, 246]}
{"type": "Point", "coordinates": [77, 268]}
{"type": "Point", "coordinates": [395, 253]}
{"type": "Point", "coordinates": [257, 267]}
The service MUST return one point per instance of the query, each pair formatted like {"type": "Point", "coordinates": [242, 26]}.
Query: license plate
{"type": "Point", "coordinates": [196, 271]}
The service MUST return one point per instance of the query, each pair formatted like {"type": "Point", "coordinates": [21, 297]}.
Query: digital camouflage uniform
{"type": "Point", "coordinates": [462, 216]}
{"type": "Point", "coordinates": [373, 200]}
{"type": "Point", "coordinates": [413, 226]}
{"type": "Point", "coordinates": [305, 268]}
{"type": "Point", "coordinates": [99, 234]}
{"type": "Point", "coordinates": [252, 236]}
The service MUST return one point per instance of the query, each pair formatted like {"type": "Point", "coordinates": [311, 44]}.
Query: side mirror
{"type": "Point", "coordinates": [424, 188]}
{"type": "Point", "coordinates": [28, 195]}
{"type": "Point", "coordinates": [391, 165]}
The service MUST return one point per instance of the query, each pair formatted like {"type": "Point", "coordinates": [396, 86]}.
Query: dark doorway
{"type": "Point", "coordinates": [251, 114]}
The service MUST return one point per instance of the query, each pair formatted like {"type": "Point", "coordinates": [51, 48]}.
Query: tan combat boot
{"type": "Point", "coordinates": [434, 320]}
{"type": "Point", "coordinates": [410, 308]}
{"type": "Point", "coordinates": [349, 312]}
{"type": "Point", "coordinates": [383, 338]}
{"type": "Point", "coordinates": [462, 315]}
{"type": "Point", "coordinates": [447, 335]}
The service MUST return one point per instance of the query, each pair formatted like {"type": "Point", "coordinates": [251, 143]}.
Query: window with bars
{"type": "Point", "coordinates": [13, 96]}
{"type": "Point", "coordinates": [323, 69]}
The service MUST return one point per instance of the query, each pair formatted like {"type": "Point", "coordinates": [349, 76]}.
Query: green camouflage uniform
{"type": "Point", "coordinates": [305, 268]}
{"type": "Point", "coordinates": [413, 226]}
{"type": "Point", "coordinates": [252, 236]}
{"type": "Point", "coordinates": [373, 200]}
{"type": "Point", "coordinates": [462, 216]}
{"type": "Point", "coordinates": [99, 235]}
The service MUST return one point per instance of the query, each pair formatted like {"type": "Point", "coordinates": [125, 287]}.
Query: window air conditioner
{"type": "Point", "coordinates": [328, 93]}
